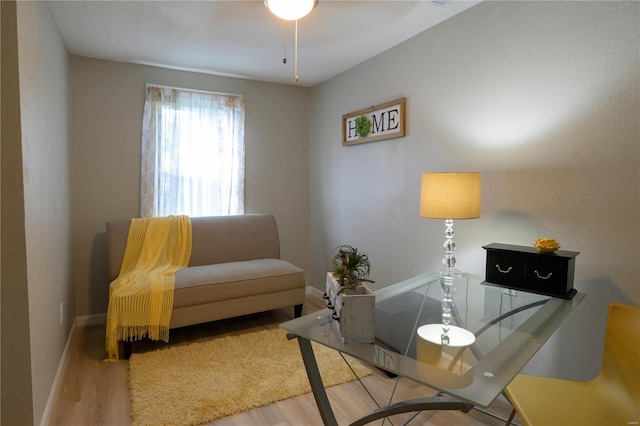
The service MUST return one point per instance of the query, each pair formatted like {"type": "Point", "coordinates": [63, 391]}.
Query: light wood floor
{"type": "Point", "coordinates": [96, 393]}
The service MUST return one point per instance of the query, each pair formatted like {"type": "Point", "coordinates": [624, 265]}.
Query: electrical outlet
{"type": "Point", "coordinates": [61, 312]}
{"type": "Point", "coordinates": [510, 292]}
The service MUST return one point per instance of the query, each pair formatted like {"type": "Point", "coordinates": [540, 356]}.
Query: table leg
{"type": "Point", "coordinates": [315, 380]}
{"type": "Point", "coordinates": [438, 402]}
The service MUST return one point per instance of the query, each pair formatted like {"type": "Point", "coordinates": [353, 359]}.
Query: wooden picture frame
{"type": "Point", "coordinates": [385, 121]}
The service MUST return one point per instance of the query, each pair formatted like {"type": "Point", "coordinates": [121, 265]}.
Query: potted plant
{"type": "Point", "coordinates": [350, 267]}
{"type": "Point", "coordinates": [352, 302]}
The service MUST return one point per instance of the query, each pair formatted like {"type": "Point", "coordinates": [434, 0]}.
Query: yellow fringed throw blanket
{"type": "Point", "coordinates": [141, 298]}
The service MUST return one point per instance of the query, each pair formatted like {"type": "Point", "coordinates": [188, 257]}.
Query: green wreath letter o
{"type": "Point", "coordinates": [363, 126]}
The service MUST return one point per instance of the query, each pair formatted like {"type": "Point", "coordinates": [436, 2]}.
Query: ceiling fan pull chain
{"type": "Point", "coordinates": [295, 56]}
{"type": "Point", "coordinates": [284, 48]}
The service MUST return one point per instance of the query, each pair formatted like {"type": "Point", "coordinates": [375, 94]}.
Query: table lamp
{"type": "Point", "coordinates": [449, 196]}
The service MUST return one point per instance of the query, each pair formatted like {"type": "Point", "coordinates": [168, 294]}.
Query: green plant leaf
{"type": "Point", "coordinates": [350, 266]}
{"type": "Point", "coordinates": [363, 126]}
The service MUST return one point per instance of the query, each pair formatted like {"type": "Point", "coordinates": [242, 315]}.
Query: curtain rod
{"type": "Point", "coordinates": [189, 90]}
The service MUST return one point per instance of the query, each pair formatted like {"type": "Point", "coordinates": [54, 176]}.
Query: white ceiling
{"type": "Point", "coordinates": [241, 38]}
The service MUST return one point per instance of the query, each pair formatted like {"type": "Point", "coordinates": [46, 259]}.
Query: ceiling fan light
{"type": "Point", "coordinates": [290, 9]}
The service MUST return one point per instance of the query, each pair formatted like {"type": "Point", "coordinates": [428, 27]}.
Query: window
{"type": "Point", "coordinates": [192, 153]}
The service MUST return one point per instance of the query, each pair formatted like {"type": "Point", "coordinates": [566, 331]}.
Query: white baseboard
{"type": "Point", "coordinates": [95, 319]}
{"type": "Point", "coordinates": [46, 416]}
{"type": "Point", "coordinates": [77, 322]}
{"type": "Point", "coordinates": [314, 291]}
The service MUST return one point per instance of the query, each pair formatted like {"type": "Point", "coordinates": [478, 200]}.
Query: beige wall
{"type": "Point", "coordinates": [542, 99]}
{"type": "Point", "coordinates": [45, 155]}
{"type": "Point", "coordinates": [107, 102]}
{"type": "Point", "coordinates": [38, 197]}
{"type": "Point", "coordinates": [17, 407]}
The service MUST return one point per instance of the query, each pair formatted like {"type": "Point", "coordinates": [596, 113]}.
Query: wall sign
{"type": "Point", "coordinates": [376, 123]}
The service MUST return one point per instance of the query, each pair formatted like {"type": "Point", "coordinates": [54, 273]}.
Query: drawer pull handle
{"type": "Point", "coordinates": [541, 277]}
{"type": "Point", "coordinates": [506, 271]}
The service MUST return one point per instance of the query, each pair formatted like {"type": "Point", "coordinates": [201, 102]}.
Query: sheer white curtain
{"type": "Point", "coordinates": [192, 153]}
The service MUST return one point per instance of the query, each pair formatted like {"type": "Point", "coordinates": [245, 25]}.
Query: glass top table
{"type": "Point", "coordinates": [509, 327]}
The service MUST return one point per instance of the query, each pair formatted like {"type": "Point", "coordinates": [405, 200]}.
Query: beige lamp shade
{"type": "Point", "coordinates": [450, 195]}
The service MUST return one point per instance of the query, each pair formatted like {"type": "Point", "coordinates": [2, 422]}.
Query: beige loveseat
{"type": "Point", "coordinates": [235, 269]}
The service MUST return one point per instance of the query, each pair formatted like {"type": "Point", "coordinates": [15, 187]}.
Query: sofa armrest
{"type": "Point", "coordinates": [117, 233]}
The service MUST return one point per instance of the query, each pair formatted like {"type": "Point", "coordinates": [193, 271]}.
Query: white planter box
{"type": "Point", "coordinates": [356, 312]}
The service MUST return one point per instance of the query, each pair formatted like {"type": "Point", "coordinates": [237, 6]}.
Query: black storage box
{"type": "Point", "coordinates": [524, 268]}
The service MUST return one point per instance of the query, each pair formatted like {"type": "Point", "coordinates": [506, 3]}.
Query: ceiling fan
{"type": "Point", "coordinates": [291, 10]}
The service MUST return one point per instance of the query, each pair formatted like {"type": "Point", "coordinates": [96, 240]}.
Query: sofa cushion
{"type": "Point", "coordinates": [222, 239]}
{"type": "Point", "coordinates": [211, 283]}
